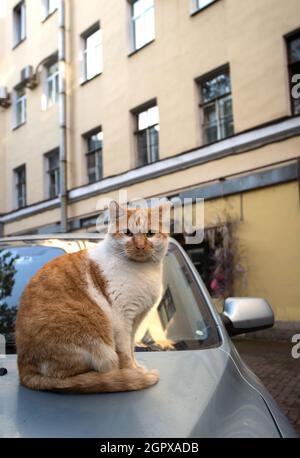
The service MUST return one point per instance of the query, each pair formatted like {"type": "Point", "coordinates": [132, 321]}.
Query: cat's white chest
{"type": "Point", "coordinates": [132, 287]}
{"type": "Point", "coordinates": [135, 286]}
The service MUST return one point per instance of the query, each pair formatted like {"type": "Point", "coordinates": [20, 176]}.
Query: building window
{"type": "Point", "coordinates": [92, 53]}
{"type": "Point", "coordinates": [216, 104]}
{"type": "Point", "coordinates": [51, 84]}
{"type": "Point", "coordinates": [20, 184]}
{"type": "Point", "coordinates": [293, 44]}
{"type": "Point", "coordinates": [19, 106]}
{"type": "Point", "coordinates": [143, 22]}
{"type": "Point", "coordinates": [94, 145]}
{"type": "Point", "coordinates": [49, 6]}
{"type": "Point", "coordinates": [147, 135]}
{"type": "Point", "coordinates": [19, 23]}
{"type": "Point", "coordinates": [52, 174]}
{"type": "Point", "coordinates": [200, 4]}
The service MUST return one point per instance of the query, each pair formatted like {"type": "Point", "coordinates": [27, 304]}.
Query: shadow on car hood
{"type": "Point", "coordinates": [200, 394]}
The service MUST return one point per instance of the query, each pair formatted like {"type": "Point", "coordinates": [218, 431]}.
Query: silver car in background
{"type": "Point", "coordinates": [205, 390]}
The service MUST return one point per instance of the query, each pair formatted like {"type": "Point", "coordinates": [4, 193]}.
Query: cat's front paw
{"type": "Point", "coordinates": [141, 367]}
{"type": "Point", "coordinates": [152, 376]}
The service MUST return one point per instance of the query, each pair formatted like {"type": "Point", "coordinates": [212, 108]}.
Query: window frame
{"type": "Point", "coordinates": [224, 69]}
{"type": "Point", "coordinates": [20, 186]}
{"type": "Point", "coordinates": [133, 20]}
{"type": "Point", "coordinates": [220, 124]}
{"type": "Point", "coordinates": [47, 11]}
{"type": "Point", "coordinates": [19, 23]}
{"type": "Point", "coordinates": [51, 100]}
{"type": "Point", "coordinates": [139, 132]}
{"type": "Point", "coordinates": [22, 100]}
{"type": "Point", "coordinates": [84, 52]}
{"type": "Point", "coordinates": [98, 152]}
{"type": "Point", "coordinates": [196, 8]}
{"type": "Point", "coordinates": [55, 171]}
{"type": "Point", "coordinates": [292, 66]}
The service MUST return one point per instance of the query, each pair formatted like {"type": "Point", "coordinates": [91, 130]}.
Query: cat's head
{"type": "Point", "coordinates": [140, 234]}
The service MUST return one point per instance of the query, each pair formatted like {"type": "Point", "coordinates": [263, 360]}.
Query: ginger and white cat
{"type": "Point", "coordinates": [78, 315]}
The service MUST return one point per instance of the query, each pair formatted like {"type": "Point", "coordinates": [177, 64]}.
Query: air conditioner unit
{"type": "Point", "coordinates": [4, 97]}
{"type": "Point", "coordinates": [27, 73]}
{"type": "Point", "coordinates": [28, 77]}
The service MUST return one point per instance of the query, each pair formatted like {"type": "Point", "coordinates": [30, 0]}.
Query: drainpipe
{"type": "Point", "coordinates": [62, 117]}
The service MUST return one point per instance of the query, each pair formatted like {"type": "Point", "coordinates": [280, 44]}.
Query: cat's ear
{"type": "Point", "coordinates": [115, 211]}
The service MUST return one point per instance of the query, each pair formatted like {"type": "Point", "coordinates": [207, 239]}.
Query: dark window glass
{"type": "Point", "coordinates": [53, 173]}
{"type": "Point", "coordinates": [216, 87]}
{"type": "Point", "coordinates": [52, 83]}
{"type": "Point", "coordinates": [142, 147]}
{"type": "Point", "coordinates": [19, 23]}
{"type": "Point", "coordinates": [153, 143]}
{"type": "Point", "coordinates": [20, 106]}
{"type": "Point", "coordinates": [216, 101]}
{"type": "Point", "coordinates": [147, 136]}
{"type": "Point", "coordinates": [20, 177]}
{"type": "Point", "coordinates": [294, 46]}
{"type": "Point", "coordinates": [294, 70]}
{"type": "Point", "coordinates": [94, 156]}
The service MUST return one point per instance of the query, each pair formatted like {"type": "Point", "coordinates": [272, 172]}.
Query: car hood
{"type": "Point", "coordinates": [200, 394]}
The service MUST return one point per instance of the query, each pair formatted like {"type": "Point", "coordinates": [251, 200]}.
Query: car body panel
{"type": "Point", "coordinates": [280, 419]}
{"type": "Point", "coordinates": [200, 394]}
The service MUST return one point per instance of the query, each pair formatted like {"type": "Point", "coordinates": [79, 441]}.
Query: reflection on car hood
{"type": "Point", "coordinates": [200, 394]}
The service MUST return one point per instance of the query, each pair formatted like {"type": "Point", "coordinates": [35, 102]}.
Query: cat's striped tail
{"type": "Point", "coordinates": [94, 382]}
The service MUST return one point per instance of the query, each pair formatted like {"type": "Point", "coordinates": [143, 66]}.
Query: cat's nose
{"type": "Point", "coordinates": [139, 242]}
{"type": "Point", "coordinates": [140, 245]}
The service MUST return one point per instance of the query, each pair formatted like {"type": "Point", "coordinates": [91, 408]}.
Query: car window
{"type": "Point", "coordinates": [181, 319]}
{"type": "Point", "coordinates": [17, 266]}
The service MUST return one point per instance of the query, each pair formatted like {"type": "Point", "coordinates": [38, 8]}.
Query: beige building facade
{"type": "Point", "coordinates": [175, 98]}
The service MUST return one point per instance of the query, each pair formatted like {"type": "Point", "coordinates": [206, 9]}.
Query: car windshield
{"type": "Point", "coordinates": [17, 266]}
{"type": "Point", "coordinates": [181, 320]}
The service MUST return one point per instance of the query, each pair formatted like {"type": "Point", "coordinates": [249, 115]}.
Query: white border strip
{"type": "Point", "coordinates": [28, 211]}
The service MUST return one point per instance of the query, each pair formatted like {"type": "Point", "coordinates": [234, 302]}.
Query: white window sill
{"type": "Point", "coordinates": [16, 45]}
{"type": "Point", "coordinates": [134, 51]}
{"type": "Point", "coordinates": [85, 81]}
{"type": "Point", "coordinates": [49, 15]}
{"type": "Point", "coordinates": [199, 10]}
{"type": "Point", "coordinates": [18, 125]}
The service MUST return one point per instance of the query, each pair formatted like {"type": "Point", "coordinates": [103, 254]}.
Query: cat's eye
{"type": "Point", "coordinates": [150, 234]}
{"type": "Point", "coordinates": [129, 233]}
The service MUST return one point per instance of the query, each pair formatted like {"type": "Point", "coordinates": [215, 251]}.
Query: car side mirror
{"type": "Point", "coordinates": [246, 314]}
